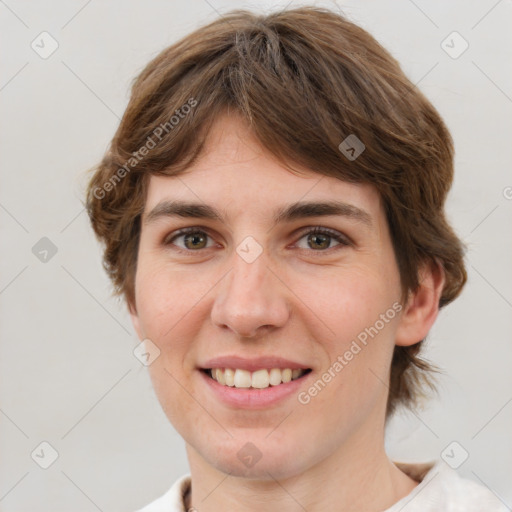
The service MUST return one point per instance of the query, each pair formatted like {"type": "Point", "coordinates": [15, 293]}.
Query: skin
{"type": "Point", "coordinates": [296, 300]}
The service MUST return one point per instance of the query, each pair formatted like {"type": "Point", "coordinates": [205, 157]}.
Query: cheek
{"type": "Point", "coordinates": [359, 344]}
{"type": "Point", "coordinates": [162, 297]}
{"type": "Point", "coordinates": [347, 300]}
{"type": "Point", "coordinates": [172, 307]}
{"type": "Point", "coordinates": [165, 309]}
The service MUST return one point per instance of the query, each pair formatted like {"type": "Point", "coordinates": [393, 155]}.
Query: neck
{"type": "Point", "coordinates": [358, 476]}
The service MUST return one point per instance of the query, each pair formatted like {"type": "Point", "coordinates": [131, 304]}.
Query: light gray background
{"type": "Point", "coordinates": [68, 375]}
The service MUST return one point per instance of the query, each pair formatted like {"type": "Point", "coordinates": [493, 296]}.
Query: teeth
{"type": "Point", "coordinates": [219, 376]}
{"type": "Point", "coordinates": [229, 377]}
{"type": "Point", "coordinates": [242, 379]}
{"type": "Point", "coordinates": [286, 375]}
{"type": "Point", "coordinates": [275, 377]}
{"type": "Point", "coordinates": [259, 379]}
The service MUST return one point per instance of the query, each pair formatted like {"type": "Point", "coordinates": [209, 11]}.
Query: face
{"type": "Point", "coordinates": [258, 288]}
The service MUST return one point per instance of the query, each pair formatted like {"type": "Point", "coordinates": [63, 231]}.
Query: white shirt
{"type": "Point", "coordinates": [441, 489]}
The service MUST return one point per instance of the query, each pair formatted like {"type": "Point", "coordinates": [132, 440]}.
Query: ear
{"type": "Point", "coordinates": [422, 305]}
{"type": "Point", "coordinates": [135, 319]}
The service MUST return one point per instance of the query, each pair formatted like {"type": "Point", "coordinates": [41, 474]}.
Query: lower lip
{"type": "Point", "coordinates": [250, 398]}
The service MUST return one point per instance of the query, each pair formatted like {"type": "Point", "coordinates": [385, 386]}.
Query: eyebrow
{"type": "Point", "coordinates": [288, 213]}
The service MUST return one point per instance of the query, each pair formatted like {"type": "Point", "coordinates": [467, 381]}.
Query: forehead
{"type": "Point", "coordinates": [235, 172]}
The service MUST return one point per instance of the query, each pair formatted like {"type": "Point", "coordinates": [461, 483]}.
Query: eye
{"type": "Point", "coordinates": [320, 239]}
{"type": "Point", "coordinates": [193, 239]}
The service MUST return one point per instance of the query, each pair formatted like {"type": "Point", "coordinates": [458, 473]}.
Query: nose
{"type": "Point", "coordinates": [251, 300]}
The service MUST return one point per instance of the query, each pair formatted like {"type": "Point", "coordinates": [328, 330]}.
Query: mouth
{"type": "Point", "coordinates": [259, 379]}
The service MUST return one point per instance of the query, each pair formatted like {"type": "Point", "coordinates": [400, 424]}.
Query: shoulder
{"type": "Point", "coordinates": [172, 500]}
{"type": "Point", "coordinates": [442, 489]}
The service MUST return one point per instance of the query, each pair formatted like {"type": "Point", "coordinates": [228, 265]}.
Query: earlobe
{"type": "Point", "coordinates": [422, 308]}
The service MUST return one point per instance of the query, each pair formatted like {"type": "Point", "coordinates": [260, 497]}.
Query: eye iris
{"type": "Point", "coordinates": [319, 239]}
{"type": "Point", "coordinates": [197, 240]}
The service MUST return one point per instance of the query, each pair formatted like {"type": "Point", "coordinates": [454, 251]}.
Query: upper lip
{"type": "Point", "coordinates": [252, 364]}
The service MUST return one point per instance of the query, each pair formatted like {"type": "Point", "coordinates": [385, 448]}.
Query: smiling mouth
{"type": "Point", "coordinates": [259, 379]}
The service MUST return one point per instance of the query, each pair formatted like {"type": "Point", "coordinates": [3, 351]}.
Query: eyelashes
{"type": "Point", "coordinates": [198, 237]}
{"type": "Point", "coordinates": [331, 234]}
{"type": "Point", "coordinates": [184, 233]}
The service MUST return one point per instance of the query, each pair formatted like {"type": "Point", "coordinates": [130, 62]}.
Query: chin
{"type": "Point", "coordinates": [260, 459]}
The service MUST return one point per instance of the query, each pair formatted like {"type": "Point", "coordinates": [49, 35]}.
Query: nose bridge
{"type": "Point", "coordinates": [251, 296]}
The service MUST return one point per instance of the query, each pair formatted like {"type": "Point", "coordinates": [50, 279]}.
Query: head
{"type": "Point", "coordinates": [245, 117]}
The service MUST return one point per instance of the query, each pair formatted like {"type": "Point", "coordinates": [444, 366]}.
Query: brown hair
{"type": "Point", "coordinates": [304, 80]}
